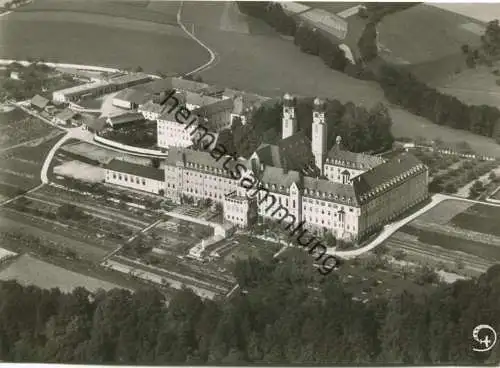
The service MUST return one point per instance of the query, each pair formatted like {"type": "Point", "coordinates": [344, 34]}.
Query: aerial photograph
{"type": "Point", "coordinates": [224, 183]}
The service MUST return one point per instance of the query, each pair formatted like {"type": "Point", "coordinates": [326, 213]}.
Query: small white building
{"type": "Point", "coordinates": [135, 176]}
{"type": "Point", "coordinates": [240, 210]}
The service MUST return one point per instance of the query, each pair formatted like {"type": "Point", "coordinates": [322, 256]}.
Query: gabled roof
{"type": "Point", "coordinates": [292, 153]}
{"type": "Point", "coordinates": [66, 114]}
{"type": "Point", "coordinates": [199, 100]}
{"type": "Point", "coordinates": [152, 107]}
{"type": "Point", "coordinates": [337, 156]}
{"type": "Point", "coordinates": [136, 169]}
{"type": "Point", "coordinates": [386, 172]}
{"type": "Point", "coordinates": [330, 191]}
{"type": "Point", "coordinates": [279, 177]}
{"type": "Point", "coordinates": [135, 96]}
{"type": "Point", "coordinates": [202, 161]}
{"type": "Point", "coordinates": [125, 118]}
{"type": "Point", "coordinates": [39, 101]}
{"type": "Point", "coordinates": [156, 86]}
{"type": "Point", "coordinates": [130, 77]}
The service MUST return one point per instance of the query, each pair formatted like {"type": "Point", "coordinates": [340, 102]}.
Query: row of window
{"type": "Point", "coordinates": [129, 177]}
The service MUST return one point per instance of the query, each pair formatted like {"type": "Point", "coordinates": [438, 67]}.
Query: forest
{"type": "Point", "coordinates": [285, 313]}
{"type": "Point", "coordinates": [361, 129]}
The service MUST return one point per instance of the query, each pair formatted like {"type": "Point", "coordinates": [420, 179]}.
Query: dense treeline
{"type": "Point", "coordinates": [279, 319]}
{"type": "Point", "coordinates": [489, 47]}
{"type": "Point", "coordinates": [362, 130]}
{"type": "Point", "coordinates": [309, 39]}
{"type": "Point", "coordinates": [402, 88]}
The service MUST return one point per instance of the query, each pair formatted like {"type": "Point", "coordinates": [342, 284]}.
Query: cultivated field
{"type": "Point", "coordinates": [17, 127]}
{"type": "Point", "coordinates": [28, 270]}
{"type": "Point", "coordinates": [453, 233]}
{"type": "Point", "coordinates": [20, 167]}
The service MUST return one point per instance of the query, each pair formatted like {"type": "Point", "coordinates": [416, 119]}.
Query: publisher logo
{"type": "Point", "coordinates": [485, 336]}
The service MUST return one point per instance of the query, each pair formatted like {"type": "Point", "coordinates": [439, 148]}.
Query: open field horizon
{"type": "Point", "coordinates": [250, 57]}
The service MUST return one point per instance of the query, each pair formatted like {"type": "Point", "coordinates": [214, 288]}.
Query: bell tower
{"type": "Point", "coordinates": [318, 142]}
{"type": "Point", "coordinates": [289, 120]}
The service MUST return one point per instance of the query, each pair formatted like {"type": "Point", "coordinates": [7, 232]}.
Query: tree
{"type": "Point", "coordinates": [155, 162]}
{"type": "Point", "coordinates": [367, 43]}
{"type": "Point", "coordinates": [138, 69]}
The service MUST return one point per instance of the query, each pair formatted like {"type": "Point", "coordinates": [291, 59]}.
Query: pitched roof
{"type": "Point", "coordinates": [330, 191]}
{"type": "Point", "coordinates": [136, 96]}
{"type": "Point", "coordinates": [202, 161]}
{"type": "Point", "coordinates": [279, 177]}
{"type": "Point", "coordinates": [96, 124]}
{"type": "Point", "coordinates": [135, 169]}
{"type": "Point", "coordinates": [197, 99]}
{"type": "Point", "coordinates": [389, 171]}
{"type": "Point", "coordinates": [66, 114]}
{"type": "Point", "coordinates": [352, 160]}
{"type": "Point", "coordinates": [215, 108]}
{"type": "Point", "coordinates": [156, 86]}
{"type": "Point", "coordinates": [130, 77]}
{"type": "Point", "coordinates": [188, 85]}
{"type": "Point", "coordinates": [152, 107]}
{"type": "Point", "coordinates": [292, 153]}
{"type": "Point", "coordinates": [125, 118]}
{"type": "Point", "coordinates": [39, 101]}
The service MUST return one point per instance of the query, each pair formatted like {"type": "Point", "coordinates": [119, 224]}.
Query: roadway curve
{"type": "Point", "coordinates": [213, 54]}
{"type": "Point", "coordinates": [391, 228]}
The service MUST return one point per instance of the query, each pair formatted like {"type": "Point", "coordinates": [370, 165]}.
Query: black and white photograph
{"type": "Point", "coordinates": [249, 183]}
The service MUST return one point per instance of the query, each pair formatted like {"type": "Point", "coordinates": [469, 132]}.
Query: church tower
{"type": "Point", "coordinates": [319, 134]}
{"type": "Point", "coordinates": [289, 120]}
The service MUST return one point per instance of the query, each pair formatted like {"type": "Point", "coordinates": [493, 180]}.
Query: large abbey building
{"type": "Point", "coordinates": [301, 180]}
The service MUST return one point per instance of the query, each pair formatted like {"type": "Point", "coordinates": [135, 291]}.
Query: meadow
{"type": "Point", "coordinates": [99, 40]}
{"type": "Point", "coordinates": [136, 10]}
{"type": "Point", "coordinates": [440, 34]}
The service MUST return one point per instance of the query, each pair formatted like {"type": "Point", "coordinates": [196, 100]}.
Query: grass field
{"type": "Point", "coordinates": [96, 39]}
{"type": "Point", "coordinates": [480, 218]}
{"type": "Point", "coordinates": [136, 10]}
{"type": "Point", "coordinates": [473, 86]}
{"type": "Point", "coordinates": [440, 34]}
{"type": "Point", "coordinates": [28, 270]}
